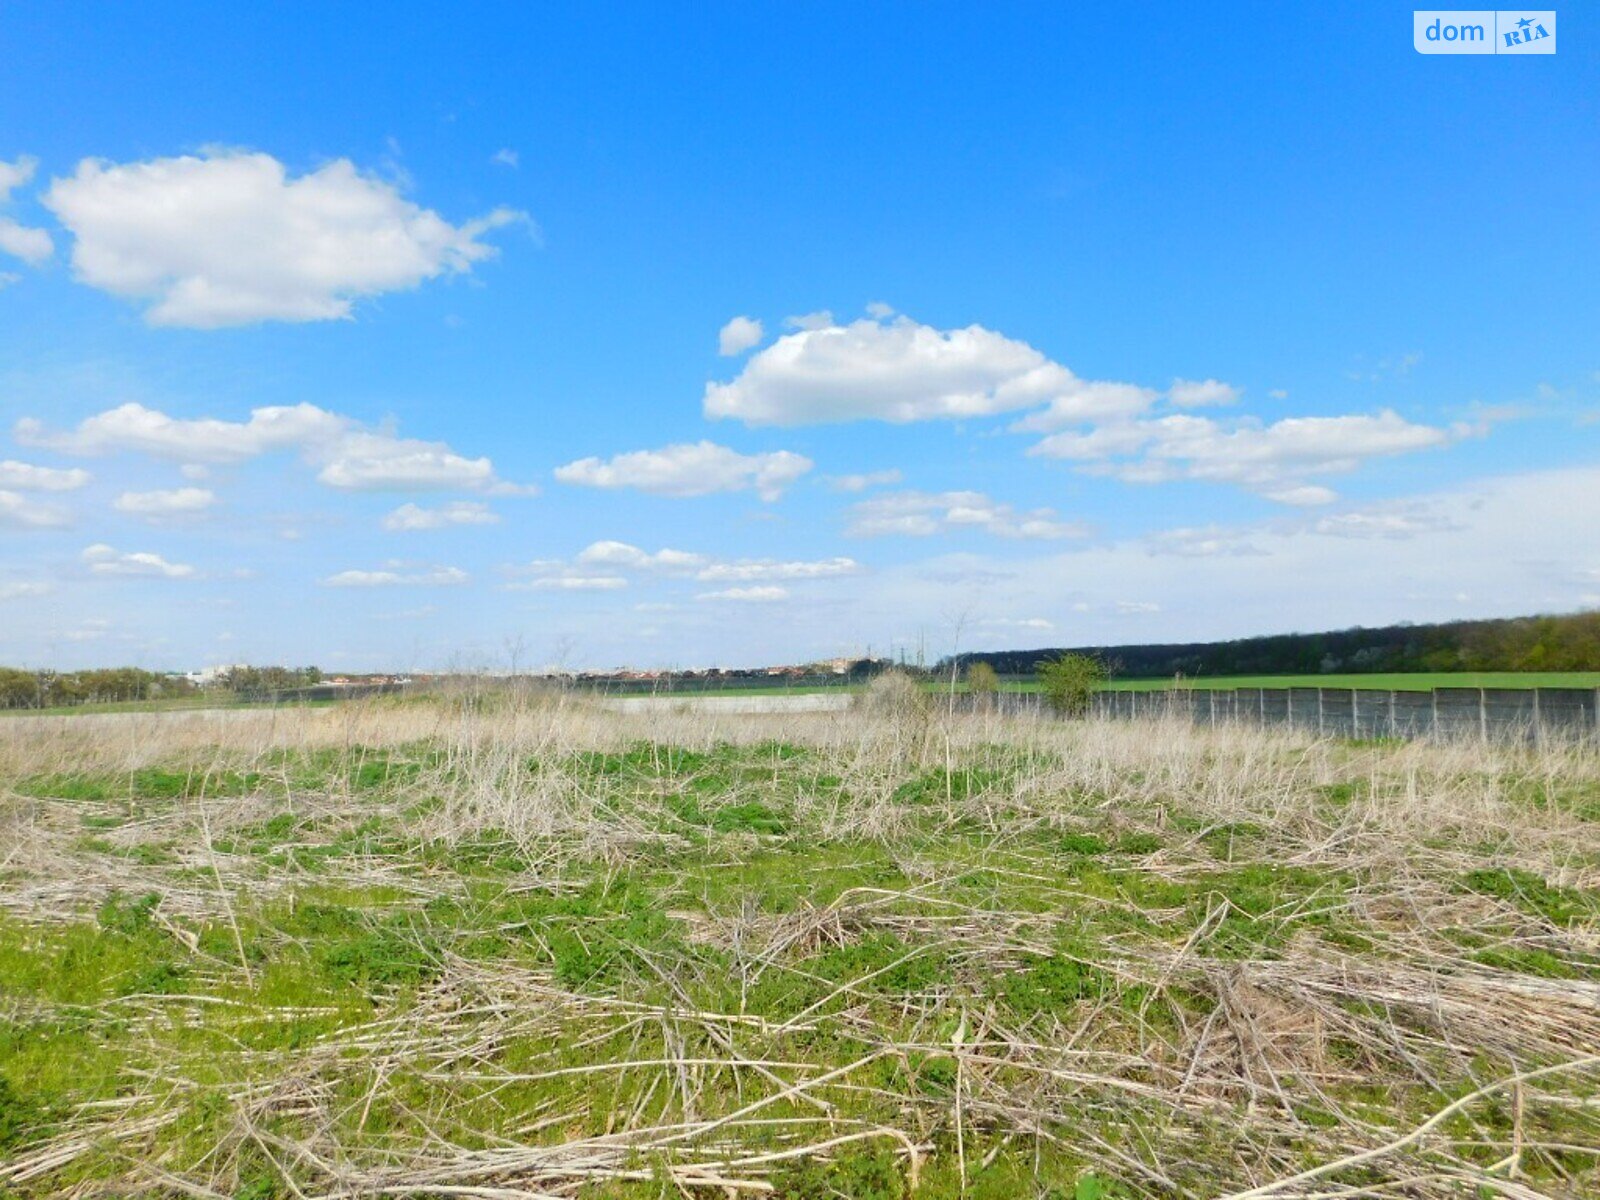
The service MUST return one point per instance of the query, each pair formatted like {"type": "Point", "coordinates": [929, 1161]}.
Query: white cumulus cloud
{"type": "Point", "coordinates": [573, 583]}
{"type": "Point", "coordinates": [104, 560]}
{"type": "Point", "coordinates": [410, 517]}
{"type": "Point", "coordinates": [922, 514]}
{"type": "Point", "coordinates": [747, 595]}
{"type": "Point", "coordinates": [866, 479]}
{"type": "Point", "coordinates": [165, 502]}
{"type": "Point", "coordinates": [26, 477]}
{"type": "Point", "coordinates": [1191, 393]}
{"type": "Point", "coordinates": [1277, 460]}
{"type": "Point", "coordinates": [399, 576]}
{"type": "Point", "coordinates": [749, 569]}
{"type": "Point", "coordinates": [31, 245]}
{"type": "Point", "coordinates": [23, 589]}
{"type": "Point", "coordinates": [895, 369]}
{"type": "Point", "coordinates": [232, 238]}
{"type": "Point", "coordinates": [19, 512]}
{"type": "Point", "coordinates": [690, 469]}
{"type": "Point", "coordinates": [1398, 521]}
{"type": "Point", "coordinates": [738, 335]}
{"type": "Point", "coordinates": [624, 555]}
{"type": "Point", "coordinates": [346, 454]}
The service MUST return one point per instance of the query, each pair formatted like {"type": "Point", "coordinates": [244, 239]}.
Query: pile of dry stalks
{"type": "Point", "coordinates": [1412, 1052]}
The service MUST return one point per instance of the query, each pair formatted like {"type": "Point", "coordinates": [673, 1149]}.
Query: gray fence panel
{"type": "Point", "coordinates": [1458, 712]}
{"type": "Point", "coordinates": [1510, 713]}
{"type": "Point", "coordinates": [1497, 713]}
{"type": "Point", "coordinates": [1373, 713]}
{"type": "Point", "coordinates": [1274, 706]}
{"type": "Point", "coordinates": [1568, 712]}
{"type": "Point", "coordinates": [1338, 713]}
{"type": "Point", "coordinates": [1413, 714]}
{"type": "Point", "coordinates": [1305, 708]}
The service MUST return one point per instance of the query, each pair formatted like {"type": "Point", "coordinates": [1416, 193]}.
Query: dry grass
{"type": "Point", "coordinates": [892, 951]}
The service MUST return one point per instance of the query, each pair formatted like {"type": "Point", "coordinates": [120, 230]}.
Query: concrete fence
{"type": "Point", "coordinates": [1484, 713]}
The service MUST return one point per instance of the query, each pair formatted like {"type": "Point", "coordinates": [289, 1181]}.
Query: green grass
{"type": "Point", "coordinates": [1051, 975]}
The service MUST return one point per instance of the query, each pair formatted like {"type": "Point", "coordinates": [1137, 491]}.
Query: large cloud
{"type": "Point", "coordinates": [346, 454]}
{"type": "Point", "coordinates": [230, 238]}
{"type": "Point", "coordinates": [898, 370]}
{"type": "Point", "coordinates": [32, 246]}
{"type": "Point", "coordinates": [690, 469]}
{"type": "Point", "coordinates": [1274, 459]}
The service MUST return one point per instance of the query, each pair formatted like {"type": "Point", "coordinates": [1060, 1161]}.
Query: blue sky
{"type": "Point", "coordinates": [1123, 323]}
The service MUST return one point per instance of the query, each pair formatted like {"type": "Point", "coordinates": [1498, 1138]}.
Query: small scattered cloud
{"type": "Point", "coordinates": [26, 477]}
{"type": "Point", "coordinates": [1136, 607]}
{"type": "Point", "coordinates": [31, 245]}
{"type": "Point", "coordinates": [19, 512]}
{"type": "Point", "coordinates": [821, 319]}
{"type": "Point", "coordinates": [165, 503]}
{"type": "Point", "coordinates": [1394, 522]}
{"type": "Point", "coordinates": [747, 595]}
{"type": "Point", "coordinates": [739, 335]}
{"type": "Point", "coordinates": [690, 469]}
{"type": "Point", "coordinates": [412, 517]}
{"type": "Point", "coordinates": [571, 583]}
{"type": "Point", "coordinates": [923, 514]}
{"type": "Point", "coordinates": [554, 575]}
{"type": "Point", "coordinates": [749, 569]}
{"type": "Point", "coordinates": [623, 555]}
{"type": "Point", "coordinates": [1033, 624]}
{"type": "Point", "coordinates": [398, 575]}
{"type": "Point", "coordinates": [865, 480]}
{"type": "Point", "coordinates": [1207, 541]}
{"type": "Point", "coordinates": [104, 560]}
{"type": "Point", "coordinates": [506, 157]}
{"type": "Point", "coordinates": [1306, 495]}
{"type": "Point", "coordinates": [24, 589]}
{"type": "Point", "coordinates": [1191, 393]}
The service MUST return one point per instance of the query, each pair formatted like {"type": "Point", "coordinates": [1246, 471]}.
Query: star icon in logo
{"type": "Point", "coordinates": [1524, 23]}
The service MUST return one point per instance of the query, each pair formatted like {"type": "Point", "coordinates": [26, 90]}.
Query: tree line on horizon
{"type": "Point", "coordinates": [21, 688]}
{"type": "Point", "coordinates": [1539, 643]}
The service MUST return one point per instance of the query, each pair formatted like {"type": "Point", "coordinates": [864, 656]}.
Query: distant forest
{"type": "Point", "coordinates": [1544, 643]}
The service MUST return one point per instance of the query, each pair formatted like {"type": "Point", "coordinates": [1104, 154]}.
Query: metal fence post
{"type": "Point", "coordinates": [1483, 715]}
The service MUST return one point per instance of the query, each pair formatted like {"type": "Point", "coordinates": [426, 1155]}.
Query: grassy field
{"type": "Point", "coordinates": [463, 948]}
